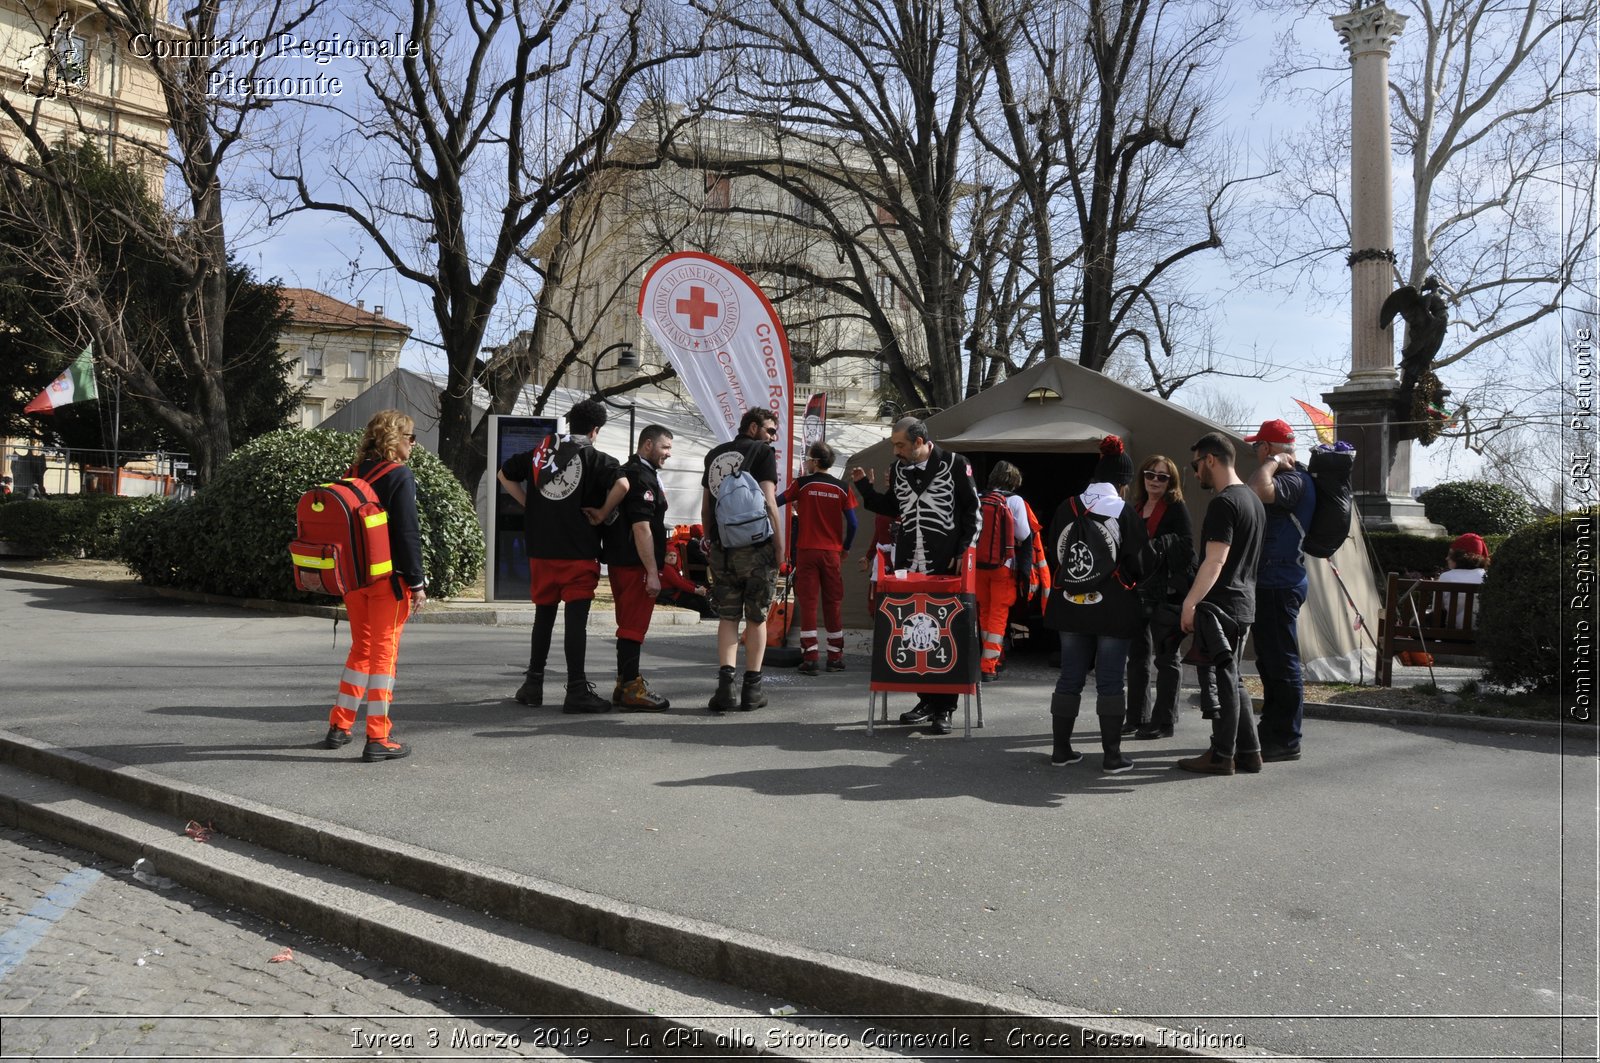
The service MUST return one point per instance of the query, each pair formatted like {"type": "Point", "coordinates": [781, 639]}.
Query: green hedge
{"type": "Point", "coordinates": [233, 536]}
{"type": "Point", "coordinates": [1476, 506]}
{"type": "Point", "coordinates": [1537, 607]}
{"type": "Point", "coordinates": [70, 525]}
{"type": "Point", "coordinates": [1406, 552]}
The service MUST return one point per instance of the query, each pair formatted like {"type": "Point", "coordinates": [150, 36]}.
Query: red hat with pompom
{"type": "Point", "coordinates": [1115, 467]}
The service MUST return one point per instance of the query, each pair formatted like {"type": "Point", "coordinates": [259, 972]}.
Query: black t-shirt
{"type": "Point", "coordinates": [740, 454]}
{"type": "Point", "coordinates": [572, 475]}
{"type": "Point", "coordinates": [1235, 517]}
{"type": "Point", "coordinates": [646, 502]}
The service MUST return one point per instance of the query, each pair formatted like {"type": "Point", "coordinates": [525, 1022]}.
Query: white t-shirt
{"type": "Point", "coordinates": [1462, 575]}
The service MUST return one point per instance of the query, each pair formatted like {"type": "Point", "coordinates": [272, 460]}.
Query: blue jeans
{"type": "Point", "coordinates": [1108, 656]}
{"type": "Point", "coordinates": [1278, 662]}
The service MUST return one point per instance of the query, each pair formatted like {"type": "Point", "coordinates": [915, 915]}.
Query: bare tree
{"type": "Point", "coordinates": [1104, 117]}
{"type": "Point", "coordinates": [212, 105]}
{"type": "Point", "coordinates": [1490, 103]}
{"type": "Point", "coordinates": [867, 105]}
{"type": "Point", "coordinates": [461, 148]}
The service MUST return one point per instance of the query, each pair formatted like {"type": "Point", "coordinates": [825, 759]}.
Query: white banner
{"type": "Point", "coordinates": [726, 343]}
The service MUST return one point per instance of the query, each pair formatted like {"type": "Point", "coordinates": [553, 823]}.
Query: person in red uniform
{"type": "Point", "coordinates": [379, 611]}
{"type": "Point", "coordinates": [825, 525]}
{"type": "Point", "coordinates": [635, 548]}
{"type": "Point", "coordinates": [573, 487]}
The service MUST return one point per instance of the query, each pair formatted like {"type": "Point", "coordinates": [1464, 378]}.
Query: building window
{"type": "Point", "coordinates": [72, 59]}
{"type": "Point", "coordinates": [889, 294]}
{"type": "Point", "coordinates": [358, 366]}
{"type": "Point", "coordinates": [310, 414]}
{"type": "Point", "coordinates": [312, 362]}
{"type": "Point", "coordinates": [800, 354]}
{"type": "Point", "coordinates": [719, 191]}
{"type": "Point", "coordinates": [885, 214]}
{"type": "Point", "coordinates": [804, 212]}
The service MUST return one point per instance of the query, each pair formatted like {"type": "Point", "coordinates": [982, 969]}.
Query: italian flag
{"type": "Point", "coordinates": [76, 384]}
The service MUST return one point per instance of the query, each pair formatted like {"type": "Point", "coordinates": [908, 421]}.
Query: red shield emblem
{"type": "Point", "coordinates": [919, 640]}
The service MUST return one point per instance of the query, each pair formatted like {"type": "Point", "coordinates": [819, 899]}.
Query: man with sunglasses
{"type": "Point", "coordinates": [743, 578]}
{"type": "Point", "coordinates": [1222, 603]}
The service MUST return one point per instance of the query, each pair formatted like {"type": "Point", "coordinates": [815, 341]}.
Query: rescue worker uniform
{"type": "Point", "coordinates": [1002, 567]}
{"type": "Point", "coordinates": [824, 527]}
{"type": "Point", "coordinates": [377, 613]}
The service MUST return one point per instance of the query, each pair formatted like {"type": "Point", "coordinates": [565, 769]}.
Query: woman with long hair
{"type": "Point", "coordinates": [379, 610]}
{"type": "Point", "coordinates": [1169, 567]}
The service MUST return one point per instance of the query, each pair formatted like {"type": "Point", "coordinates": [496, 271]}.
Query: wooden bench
{"type": "Point", "coordinates": [1427, 616]}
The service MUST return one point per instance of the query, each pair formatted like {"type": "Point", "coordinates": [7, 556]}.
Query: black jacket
{"type": "Point", "coordinates": [937, 507]}
{"type": "Point", "coordinates": [1168, 562]}
{"type": "Point", "coordinates": [397, 493]}
{"type": "Point", "coordinates": [1113, 609]}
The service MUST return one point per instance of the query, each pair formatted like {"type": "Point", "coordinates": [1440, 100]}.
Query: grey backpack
{"type": "Point", "coordinates": [742, 512]}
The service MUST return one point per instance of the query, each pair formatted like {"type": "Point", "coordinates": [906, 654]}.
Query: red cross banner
{"type": "Point", "coordinates": [725, 341]}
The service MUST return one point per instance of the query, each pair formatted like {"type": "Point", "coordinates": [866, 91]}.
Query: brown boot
{"type": "Point", "coordinates": [636, 696]}
{"type": "Point", "coordinates": [1249, 763]}
{"type": "Point", "coordinates": [1209, 764]}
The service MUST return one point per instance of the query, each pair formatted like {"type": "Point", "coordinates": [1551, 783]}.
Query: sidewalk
{"type": "Point", "coordinates": [1342, 905]}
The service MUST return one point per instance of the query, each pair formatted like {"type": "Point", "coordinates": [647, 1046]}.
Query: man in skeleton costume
{"type": "Point", "coordinates": [935, 498]}
{"type": "Point", "coordinates": [568, 489]}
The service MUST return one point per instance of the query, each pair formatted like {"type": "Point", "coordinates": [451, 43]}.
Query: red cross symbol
{"type": "Point", "coordinates": [696, 308]}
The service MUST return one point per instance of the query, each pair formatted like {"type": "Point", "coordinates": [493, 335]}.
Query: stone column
{"type": "Point", "coordinates": [1364, 406]}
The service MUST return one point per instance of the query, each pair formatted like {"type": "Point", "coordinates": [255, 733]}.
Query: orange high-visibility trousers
{"type": "Point", "coordinates": [997, 592]}
{"type": "Point", "coordinates": [376, 620]}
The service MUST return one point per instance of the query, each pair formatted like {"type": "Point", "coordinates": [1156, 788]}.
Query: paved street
{"type": "Point", "coordinates": [1401, 892]}
{"type": "Point", "coordinates": [96, 960]}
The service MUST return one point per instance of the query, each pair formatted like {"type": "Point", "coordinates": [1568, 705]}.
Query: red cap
{"type": "Point", "coordinates": [1272, 432]}
{"type": "Point", "coordinates": [1471, 544]}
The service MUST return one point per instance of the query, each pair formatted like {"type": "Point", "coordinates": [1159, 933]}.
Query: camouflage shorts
{"type": "Point", "coordinates": [743, 581]}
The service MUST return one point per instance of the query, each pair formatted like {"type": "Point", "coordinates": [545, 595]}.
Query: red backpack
{"type": "Point", "coordinates": [342, 535]}
{"type": "Point", "coordinates": [997, 541]}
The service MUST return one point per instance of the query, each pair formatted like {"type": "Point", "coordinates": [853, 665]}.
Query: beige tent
{"type": "Point", "coordinates": [1049, 420]}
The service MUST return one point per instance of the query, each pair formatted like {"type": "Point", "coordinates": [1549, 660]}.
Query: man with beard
{"type": "Point", "coordinates": [934, 497]}
{"type": "Point", "coordinates": [1221, 604]}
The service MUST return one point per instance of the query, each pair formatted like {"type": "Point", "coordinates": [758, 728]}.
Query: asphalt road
{"type": "Point", "coordinates": [1400, 892]}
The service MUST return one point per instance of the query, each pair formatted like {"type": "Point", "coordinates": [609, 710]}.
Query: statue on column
{"type": "Point", "coordinates": [1427, 317]}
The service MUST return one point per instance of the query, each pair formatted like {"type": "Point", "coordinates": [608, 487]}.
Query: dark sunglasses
{"type": "Point", "coordinates": [772, 430]}
{"type": "Point", "coordinates": [1196, 463]}
{"type": "Point", "coordinates": [1158, 477]}
{"type": "Point", "coordinates": [412, 438]}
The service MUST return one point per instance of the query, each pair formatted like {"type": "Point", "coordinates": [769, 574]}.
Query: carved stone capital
{"type": "Point", "coordinates": [1369, 29]}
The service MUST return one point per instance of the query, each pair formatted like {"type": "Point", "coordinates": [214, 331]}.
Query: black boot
{"type": "Point", "coordinates": [531, 692]}
{"type": "Point", "coordinates": [750, 695]}
{"type": "Point", "coordinates": [1111, 710]}
{"type": "Point", "coordinates": [726, 699]}
{"type": "Point", "coordinates": [1063, 715]}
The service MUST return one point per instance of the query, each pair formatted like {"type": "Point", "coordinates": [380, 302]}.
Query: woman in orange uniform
{"type": "Point", "coordinates": [379, 611]}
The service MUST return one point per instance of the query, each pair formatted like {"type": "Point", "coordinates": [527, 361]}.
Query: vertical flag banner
{"type": "Point", "coordinates": [75, 384]}
{"type": "Point", "coordinates": [726, 343]}
{"type": "Point", "coordinates": [814, 428]}
{"type": "Point", "coordinates": [1321, 420]}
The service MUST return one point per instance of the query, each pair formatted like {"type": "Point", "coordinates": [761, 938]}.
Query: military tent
{"type": "Point", "coordinates": [1048, 421]}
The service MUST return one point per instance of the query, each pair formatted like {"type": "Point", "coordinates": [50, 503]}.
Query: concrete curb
{"type": "Point", "coordinates": [1418, 718]}
{"type": "Point", "coordinates": [346, 910]}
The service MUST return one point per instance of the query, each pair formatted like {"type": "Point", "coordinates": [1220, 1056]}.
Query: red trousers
{"type": "Point", "coordinates": [376, 620]}
{"type": "Point", "coordinates": [997, 592]}
{"type": "Point", "coordinates": [816, 576]}
{"type": "Point", "coordinates": [633, 601]}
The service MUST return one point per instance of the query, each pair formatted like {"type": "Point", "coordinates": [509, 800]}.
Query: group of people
{"type": "Point", "coordinates": [1122, 579]}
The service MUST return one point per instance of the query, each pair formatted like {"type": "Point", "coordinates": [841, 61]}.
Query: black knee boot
{"type": "Point", "coordinates": [1063, 715]}
{"type": "Point", "coordinates": [1110, 710]}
